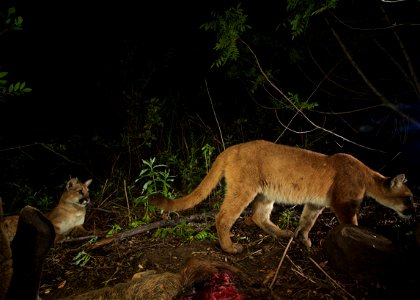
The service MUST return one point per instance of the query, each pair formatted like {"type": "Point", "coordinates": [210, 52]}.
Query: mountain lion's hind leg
{"type": "Point", "coordinates": [261, 216]}
{"type": "Point", "coordinates": [232, 207]}
{"type": "Point", "coordinates": [309, 215]}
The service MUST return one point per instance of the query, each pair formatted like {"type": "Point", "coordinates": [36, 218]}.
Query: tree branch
{"type": "Point", "coordinates": [382, 97]}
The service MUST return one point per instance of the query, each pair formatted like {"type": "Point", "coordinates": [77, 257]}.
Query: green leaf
{"type": "Point", "coordinates": [3, 74]}
{"type": "Point", "coordinates": [19, 21]}
{"type": "Point", "coordinates": [10, 88]}
{"type": "Point", "coordinates": [11, 11]}
{"type": "Point", "coordinates": [16, 88]}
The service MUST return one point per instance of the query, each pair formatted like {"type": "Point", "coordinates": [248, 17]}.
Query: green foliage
{"type": "Point", "coordinates": [288, 218]}
{"type": "Point", "coordinates": [44, 202]}
{"type": "Point", "coordinates": [186, 231]}
{"type": "Point", "coordinates": [152, 120]}
{"type": "Point", "coordinates": [13, 89]}
{"type": "Point", "coordinates": [297, 103]}
{"type": "Point", "coordinates": [135, 223]}
{"type": "Point", "coordinates": [154, 178]}
{"type": "Point", "coordinates": [81, 259]}
{"type": "Point", "coordinates": [228, 28]}
{"type": "Point", "coordinates": [11, 22]}
{"type": "Point", "coordinates": [301, 11]}
{"type": "Point", "coordinates": [207, 151]}
{"type": "Point", "coordinates": [114, 229]}
{"type": "Point", "coordinates": [27, 195]}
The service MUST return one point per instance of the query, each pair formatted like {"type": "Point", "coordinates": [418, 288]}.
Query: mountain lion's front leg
{"type": "Point", "coordinates": [309, 215]}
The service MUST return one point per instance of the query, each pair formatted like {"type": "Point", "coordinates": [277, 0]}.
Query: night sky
{"type": "Point", "coordinates": [71, 56]}
{"type": "Point", "coordinates": [75, 57]}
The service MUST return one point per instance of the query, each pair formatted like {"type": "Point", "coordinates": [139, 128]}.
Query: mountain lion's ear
{"type": "Point", "coordinates": [87, 182]}
{"type": "Point", "coordinates": [398, 181]}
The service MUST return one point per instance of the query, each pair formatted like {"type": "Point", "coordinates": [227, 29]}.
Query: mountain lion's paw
{"type": "Point", "coordinates": [234, 249]}
{"type": "Point", "coordinates": [286, 234]}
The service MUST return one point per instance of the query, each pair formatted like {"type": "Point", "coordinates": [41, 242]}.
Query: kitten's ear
{"type": "Point", "coordinates": [87, 182]}
{"type": "Point", "coordinates": [71, 183]}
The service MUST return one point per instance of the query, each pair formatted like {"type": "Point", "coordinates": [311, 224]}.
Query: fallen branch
{"type": "Point", "coordinates": [138, 230]}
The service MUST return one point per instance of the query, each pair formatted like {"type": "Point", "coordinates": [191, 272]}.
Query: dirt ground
{"type": "Point", "coordinates": [304, 274]}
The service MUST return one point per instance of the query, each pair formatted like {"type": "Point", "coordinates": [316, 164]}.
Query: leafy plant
{"type": "Point", "coordinates": [186, 231]}
{"type": "Point", "coordinates": [81, 259]}
{"type": "Point", "coordinates": [301, 11]}
{"type": "Point", "coordinates": [135, 223]}
{"type": "Point", "coordinates": [288, 219]}
{"type": "Point", "coordinates": [205, 234]}
{"type": "Point", "coordinates": [44, 202]}
{"type": "Point", "coordinates": [152, 120]}
{"type": "Point", "coordinates": [13, 89]}
{"type": "Point", "coordinates": [114, 229]}
{"type": "Point", "coordinates": [295, 102]}
{"type": "Point", "coordinates": [207, 151]}
{"type": "Point", "coordinates": [228, 28]}
{"type": "Point", "coordinates": [11, 22]}
{"type": "Point", "coordinates": [155, 178]}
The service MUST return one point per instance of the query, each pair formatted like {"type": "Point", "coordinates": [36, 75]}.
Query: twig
{"type": "Point", "coordinates": [298, 270]}
{"type": "Point", "coordinates": [102, 210]}
{"type": "Point", "coordinates": [103, 191]}
{"type": "Point", "coordinates": [377, 93]}
{"type": "Point", "coordinates": [77, 239]}
{"type": "Point", "coordinates": [334, 282]}
{"type": "Point", "coordinates": [281, 261]}
{"type": "Point", "coordinates": [128, 203]}
{"type": "Point", "coordinates": [215, 116]}
{"type": "Point", "coordinates": [300, 110]}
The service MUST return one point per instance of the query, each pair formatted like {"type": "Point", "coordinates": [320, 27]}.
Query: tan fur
{"type": "Point", "coordinates": [264, 173]}
{"type": "Point", "coordinates": [68, 216]}
{"type": "Point", "coordinates": [163, 286]}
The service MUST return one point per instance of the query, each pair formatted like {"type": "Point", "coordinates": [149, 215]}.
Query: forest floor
{"type": "Point", "coordinates": [303, 273]}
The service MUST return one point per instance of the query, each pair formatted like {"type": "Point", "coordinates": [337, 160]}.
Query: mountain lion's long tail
{"type": "Point", "coordinates": [202, 191]}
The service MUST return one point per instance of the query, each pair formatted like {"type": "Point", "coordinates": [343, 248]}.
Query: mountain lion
{"type": "Point", "coordinates": [264, 173]}
{"type": "Point", "coordinates": [68, 216]}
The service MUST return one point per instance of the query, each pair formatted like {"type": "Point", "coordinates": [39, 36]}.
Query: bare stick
{"type": "Point", "coordinates": [377, 93]}
{"type": "Point", "coordinates": [281, 261]}
{"type": "Point", "coordinates": [334, 282]}
{"type": "Point", "coordinates": [215, 116]}
{"type": "Point", "coordinates": [298, 270]}
{"type": "Point", "coordinates": [300, 110]}
{"type": "Point", "coordinates": [128, 203]}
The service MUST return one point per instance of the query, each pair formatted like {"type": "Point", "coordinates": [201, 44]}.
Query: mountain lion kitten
{"type": "Point", "coordinates": [68, 216]}
{"type": "Point", "coordinates": [264, 173]}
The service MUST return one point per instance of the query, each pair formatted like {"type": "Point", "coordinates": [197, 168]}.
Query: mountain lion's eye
{"type": "Point", "coordinates": [81, 192]}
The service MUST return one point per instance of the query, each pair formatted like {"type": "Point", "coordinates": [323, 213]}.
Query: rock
{"type": "Point", "coordinates": [362, 253]}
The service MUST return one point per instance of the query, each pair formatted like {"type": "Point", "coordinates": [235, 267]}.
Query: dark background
{"type": "Point", "coordinates": [82, 58]}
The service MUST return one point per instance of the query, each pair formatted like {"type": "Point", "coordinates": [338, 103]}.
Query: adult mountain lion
{"type": "Point", "coordinates": [264, 173]}
{"type": "Point", "coordinates": [67, 216]}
